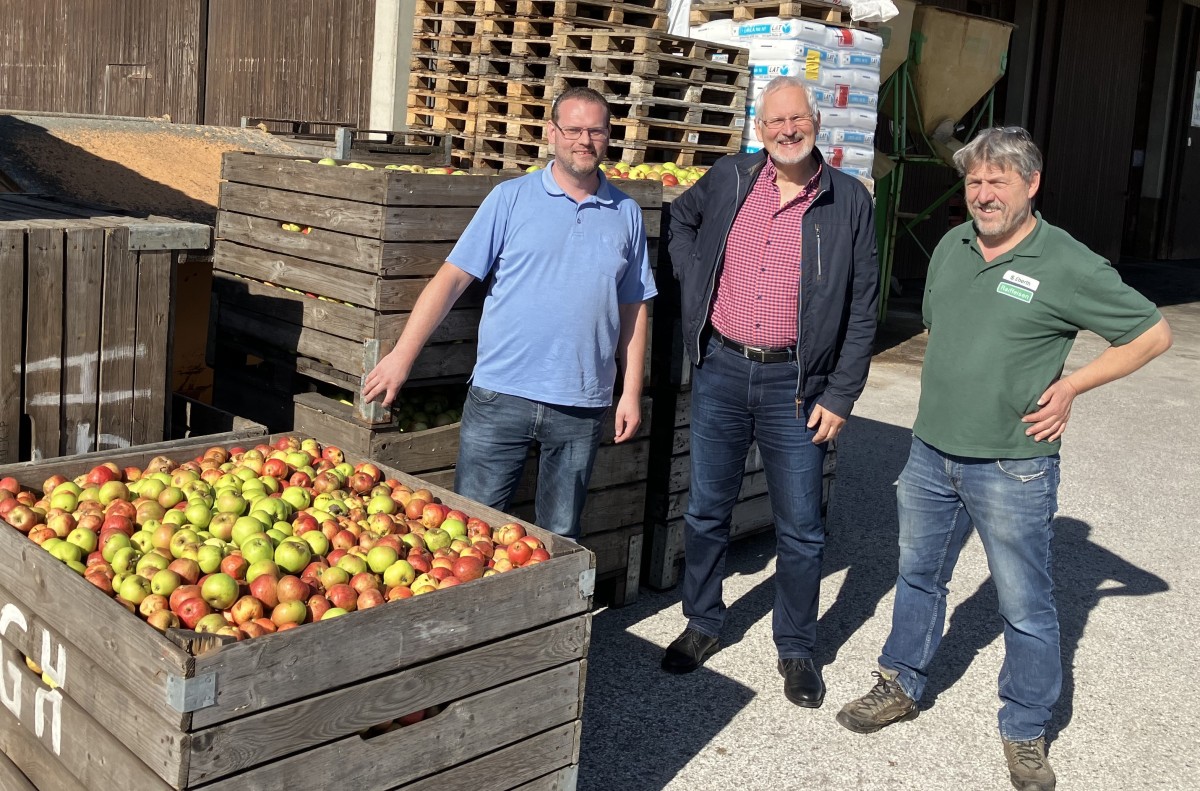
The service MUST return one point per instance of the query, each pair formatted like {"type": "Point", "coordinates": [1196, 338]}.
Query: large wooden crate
{"type": "Point", "coordinates": [85, 325]}
{"type": "Point", "coordinates": [134, 708]}
{"type": "Point", "coordinates": [612, 520]}
{"type": "Point", "coordinates": [332, 298]}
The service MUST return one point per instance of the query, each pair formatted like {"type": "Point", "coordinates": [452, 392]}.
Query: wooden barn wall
{"type": "Point", "coordinates": [1091, 124]}
{"type": "Point", "coordinates": [296, 59]}
{"type": "Point", "coordinates": [104, 57]}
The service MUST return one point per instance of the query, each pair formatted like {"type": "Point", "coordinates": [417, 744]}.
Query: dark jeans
{"type": "Point", "coordinates": [1011, 502]}
{"type": "Point", "coordinates": [734, 402]}
{"type": "Point", "coordinates": [497, 431]}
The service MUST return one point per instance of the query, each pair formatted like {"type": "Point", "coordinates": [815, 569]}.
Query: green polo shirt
{"type": "Point", "coordinates": [1000, 332]}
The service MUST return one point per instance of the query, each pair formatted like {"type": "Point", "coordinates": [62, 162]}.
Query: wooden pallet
{"type": "Point", "coordinates": [512, 107]}
{"type": "Point", "coordinates": [427, 46]}
{"type": "Point", "coordinates": [464, 27]}
{"type": "Point", "coordinates": [682, 154]}
{"type": "Point", "coordinates": [168, 712]}
{"type": "Point", "coordinates": [634, 87]}
{"type": "Point", "coordinates": [86, 319]}
{"type": "Point", "coordinates": [445, 84]}
{"type": "Point", "coordinates": [454, 122]}
{"type": "Point", "coordinates": [517, 46]}
{"type": "Point", "coordinates": [633, 41]}
{"type": "Point", "coordinates": [830, 11]}
{"type": "Point", "coordinates": [651, 15]}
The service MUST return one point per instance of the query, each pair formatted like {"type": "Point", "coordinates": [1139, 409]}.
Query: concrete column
{"type": "Point", "coordinates": [390, 61]}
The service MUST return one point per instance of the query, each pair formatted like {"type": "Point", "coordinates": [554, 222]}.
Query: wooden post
{"type": "Point", "coordinates": [12, 338]}
{"type": "Point", "coordinates": [371, 412]}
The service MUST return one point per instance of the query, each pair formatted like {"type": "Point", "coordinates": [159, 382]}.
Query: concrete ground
{"type": "Point", "coordinates": [1127, 588]}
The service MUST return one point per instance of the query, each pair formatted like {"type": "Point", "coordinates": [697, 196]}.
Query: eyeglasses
{"type": "Point", "coordinates": [797, 120]}
{"type": "Point", "coordinates": [574, 132]}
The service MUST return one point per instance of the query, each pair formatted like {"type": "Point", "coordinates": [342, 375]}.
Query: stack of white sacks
{"type": "Point", "coordinates": [841, 65]}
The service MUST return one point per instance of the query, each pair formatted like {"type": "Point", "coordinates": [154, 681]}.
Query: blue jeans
{"type": "Point", "coordinates": [1011, 502]}
{"type": "Point", "coordinates": [493, 445]}
{"type": "Point", "coordinates": [735, 401]}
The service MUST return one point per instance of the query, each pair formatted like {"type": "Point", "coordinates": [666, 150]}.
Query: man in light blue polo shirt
{"type": "Point", "coordinates": [567, 301]}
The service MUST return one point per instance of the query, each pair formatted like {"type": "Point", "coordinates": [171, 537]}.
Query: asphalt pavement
{"type": "Point", "coordinates": [1126, 548]}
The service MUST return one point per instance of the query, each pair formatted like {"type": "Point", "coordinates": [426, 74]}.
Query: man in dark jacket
{"type": "Point", "coordinates": [775, 257]}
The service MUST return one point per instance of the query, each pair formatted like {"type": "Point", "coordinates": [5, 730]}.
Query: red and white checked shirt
{"type": "Point", "coordinates": [759, 286]}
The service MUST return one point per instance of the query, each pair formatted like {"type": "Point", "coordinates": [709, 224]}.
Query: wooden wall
{"type": "Point", "coordinates": [114, 57]}
{"type": "Point", "coordinates": [298, 59]}
{"type": "Point", "coordinates": [197, 61]}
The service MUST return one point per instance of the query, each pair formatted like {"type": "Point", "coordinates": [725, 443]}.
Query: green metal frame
{"type": "Point", "coordinates": [899, 89]}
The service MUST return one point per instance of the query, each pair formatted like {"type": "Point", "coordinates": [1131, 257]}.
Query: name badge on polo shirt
{"type": "Point", "coordinates": [1017, 286]}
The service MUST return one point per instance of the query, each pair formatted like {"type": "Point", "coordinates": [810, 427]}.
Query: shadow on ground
{"type": "Point", "coordinates": [1084, 573]}
{"type": "Point", "coordinates": [632, 737]}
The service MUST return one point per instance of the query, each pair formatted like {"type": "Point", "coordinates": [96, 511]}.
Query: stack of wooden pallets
{"type": "Point", "coordinates": [479, 65]}
{"type": "Point", "coordinates": [674, 99]}
{"type": "Point", "coordinates": [486, 72]}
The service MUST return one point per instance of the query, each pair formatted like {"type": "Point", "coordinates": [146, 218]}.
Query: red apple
{"type": "Point", "coordinates": [191, 610]}
{"type": "Point", "coordinates": [370, 598]}
{"type": "Point", "coordinates": [246, 609]}
{"type": "Point", "coordinates": [316, 607]}
{"type": "Point", "coordinates": [343, 596]}
{"type": "Point", "coordinates": [519, 553]}
{"type": "Point", "coordinates": [265, 589]}
{"type": "Point", "coordinates": [290, 588]}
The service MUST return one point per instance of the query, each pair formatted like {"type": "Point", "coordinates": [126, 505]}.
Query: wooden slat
{"type": "Point", "coordinates": [619, 464]}
{"type": "Point", "coordinates": [394, 188]}
{"type": "Point", "coordinates": [491, 719]}
{"type": "Point", "coordinates": [308, 723]}
{"type": "Point", "coordinates": [118, 332]}
{"type": "Point", "coordinates": [35, 762]}
{"type": "Point", "coordinates": [152, 366]}
{"type": "Point", "coordinates": [81, 338]}
{"type": "Point", "coordinates": [304, 275]}
{"type": "Point", "coordinates": [12, 342]}
{"type": "Point", "coordinates": [495, 771]}
{"type": "Point", "coordinates": [12, 778]}
{"type": "Point", "coordinates": [435, 360]}
{"type": "Point", "coordinates": [44, 349]}
{"type": "Point", "coordinates": [94, 714]}
{"type": "Point", "coordinates": [346, 321]}
{"type": "Point", "coordinates": [387, 259]}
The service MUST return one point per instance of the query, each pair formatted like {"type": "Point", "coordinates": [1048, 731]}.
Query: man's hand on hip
{"type": "Point", "coordinates": [827, 424]}
{"type": "Point", "coordinates": [1050, 421]}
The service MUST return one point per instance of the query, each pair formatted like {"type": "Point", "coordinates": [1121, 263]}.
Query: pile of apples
{"type": "Point", "coordinates": [670, 174]}
{"type": "Point", "coordinates": [245, 542]}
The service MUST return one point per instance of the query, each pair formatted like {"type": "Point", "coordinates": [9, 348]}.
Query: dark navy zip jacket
{"type": "Point", "coordinates": [839, 276]}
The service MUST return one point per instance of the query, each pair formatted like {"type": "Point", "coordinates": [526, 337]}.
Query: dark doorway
{"type": "Point", "coordinates": [1181, 237]}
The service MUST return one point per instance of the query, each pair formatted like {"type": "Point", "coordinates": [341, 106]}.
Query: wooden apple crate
{"type": "Point", "coordinates": [137, 709]}
{"type": "Point", "coordinates": [612, 521]}
{"type": "Point", "coordinates": [375, 238]}
{"type": "Point", "coordinates": [667, 501]}
{"type": "Point", "coordinates": [85, 325]}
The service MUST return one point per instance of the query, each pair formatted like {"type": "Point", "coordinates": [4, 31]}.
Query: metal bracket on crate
{"type": "Point", "coordinates": [587, 583]}
{"type": "Point", "coordinates": [190, 694]}
{"type": "Point", "coordinates": [571, 781]}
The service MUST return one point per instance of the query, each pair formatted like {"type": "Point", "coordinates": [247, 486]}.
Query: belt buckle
{"type": "Point", "coordinates": [755, 353]}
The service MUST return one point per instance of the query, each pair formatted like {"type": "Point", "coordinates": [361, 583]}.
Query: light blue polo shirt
{"type": "Point", "coordinates": [550, 321]}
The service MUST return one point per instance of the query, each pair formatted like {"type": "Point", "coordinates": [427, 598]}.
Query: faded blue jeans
{"type": "Point", "coordinates": [493, 445]}
{"type": "Point", "coordinates": [1011, 502]}
{"type": "Point", "coordinates": [736, 401]}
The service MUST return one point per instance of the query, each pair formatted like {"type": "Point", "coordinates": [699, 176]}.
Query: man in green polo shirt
{"type": "Point", "coordinates": [1005, 296]}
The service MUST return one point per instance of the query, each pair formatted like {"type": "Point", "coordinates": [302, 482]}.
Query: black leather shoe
{"type": "Point", "coordinates": [802, 682]}
{"type": "Point", "coordinates": [688, 651]}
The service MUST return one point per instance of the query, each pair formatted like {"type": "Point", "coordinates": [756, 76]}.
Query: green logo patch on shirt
{"type": "Point", "coordinates": [1009, 290]}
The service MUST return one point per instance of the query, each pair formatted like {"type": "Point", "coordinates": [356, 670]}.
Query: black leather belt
{"type": "Point", "coordinates": [776, 354]}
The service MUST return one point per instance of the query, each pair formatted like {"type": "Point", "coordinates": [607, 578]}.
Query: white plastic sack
{"type": "Point", "coordinates": [872, 10]}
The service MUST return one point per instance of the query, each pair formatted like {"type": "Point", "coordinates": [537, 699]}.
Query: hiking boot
{"type": "Point", "coordinates": [884, 704]}
{"type": "Point", "coordinates": [1028, 767]}
{"type": "Point", "coordinates": [688, 651]}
